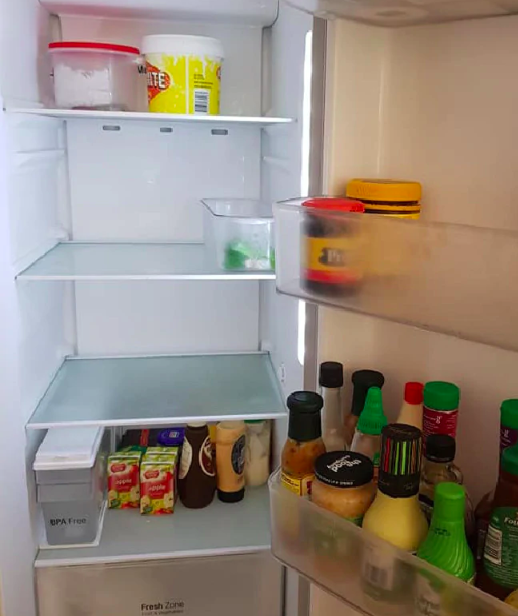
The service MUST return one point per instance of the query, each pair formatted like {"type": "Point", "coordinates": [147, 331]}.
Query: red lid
{"type": "Point", "coordinates": [101, 46]}
{"type": "Point", "coordinates": [414, 393]}
{"type": "Point", "coordinates": [332, 203]}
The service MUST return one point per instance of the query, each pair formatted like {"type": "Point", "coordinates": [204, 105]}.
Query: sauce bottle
{"type": "Point", "coordinates": [331, 381]}
{"type": "Point", "coordinates": [304, 444]}
{"type": "Point", "coordinates": [362, 381]}
{"type": "Point", "coordinates": [499, 576]}
{"type": "Point", "coordinates": [438, 467]}
{"type": "Point", "coordinates": [412, 410]}
{"type": "Point", "coordinates": [367, 438]}
{"type": "Point", "coordinates": [446, 545]}
{"type": "Point", "coordinates": [441, 408]}
{"type": "Point", "coordinates": [230, 460]}
{"type": "Point", "coordinates": [197, 476]}
{"type": "Point", "coordinates": [508, 437]}
{"type": "Point", "coordinates": [395, 514]}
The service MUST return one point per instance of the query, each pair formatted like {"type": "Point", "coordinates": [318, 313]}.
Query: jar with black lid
{"type": "Point", "coordinates": [330, 260]}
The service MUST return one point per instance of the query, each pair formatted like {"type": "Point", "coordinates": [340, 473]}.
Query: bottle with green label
{"type": "Point", "coordinates": [500, 572]}
{"type": "Point", "coordinates": [446, 545]}
{"type": "Point", "coordinates": [367, 438]}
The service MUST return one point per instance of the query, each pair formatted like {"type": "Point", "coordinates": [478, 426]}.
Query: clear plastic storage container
{"type": "Point", "coordinates": [95, 76]}
{"type": "Point", "coordinates": [240, 232]}
{"type": "Point", "coordinates": [70, 471]}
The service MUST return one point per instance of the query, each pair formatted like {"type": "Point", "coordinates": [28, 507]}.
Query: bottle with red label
{"type": "Point", "coordinates": [441, 409]}
{"type": "Point", "coordinates": [508, 437]}
{"type": "Point", "coordinates": [197, 475]}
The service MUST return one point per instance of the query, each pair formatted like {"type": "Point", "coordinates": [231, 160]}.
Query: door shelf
{"type": "Point", "coordinates": [219, 529]}
{"type": "Point", "coordinates": [160, 391]}
{"type": "Point", "coordinates": [363, 571]}
{"type": "Point", "coordinates": [447, 278]}
{"type": "Point", "coordinates": [118, 261]}
{"type": "Point", "coordinates": [397, 13]}
{"type": "Point", "coordinates": [144, 116]}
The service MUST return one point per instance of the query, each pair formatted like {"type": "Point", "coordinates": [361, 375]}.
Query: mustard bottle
{"type": "Point", "coordinates": [395, 514]}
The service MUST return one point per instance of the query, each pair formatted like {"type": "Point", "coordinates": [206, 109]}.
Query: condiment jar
{"type": "Point", "coordinates": [257, 452]}
{"type": "Point", "coordinates": [441, 409]}
{"type": "Point", "coordinates": [330, 251]}
{"type": "Point", "coordinates": [343, 484]}
{"type": "Point", "coordinates": [230, 460]}
{"type": "Point", "coordinates": [399, 199]}
{"type": "Point", "coordinates": [196, 477]}
{"type": "Point", "coordinates": [304, 444]}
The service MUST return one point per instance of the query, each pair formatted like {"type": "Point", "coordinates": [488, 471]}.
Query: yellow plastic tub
{"type": "Point", "coordinates": [183, 73]}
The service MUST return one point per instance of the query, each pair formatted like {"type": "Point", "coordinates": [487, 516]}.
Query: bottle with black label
{"type": "Point", "coordinates": [230, 460]}
{"type": "Point", "coordinates": [197, 476]}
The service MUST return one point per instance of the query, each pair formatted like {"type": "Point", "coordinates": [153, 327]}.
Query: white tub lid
{"type": "Point", "coordinates": [68, 448]}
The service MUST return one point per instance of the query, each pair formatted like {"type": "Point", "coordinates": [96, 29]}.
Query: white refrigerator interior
{"type": "Point", "coordinates": [102, 260]}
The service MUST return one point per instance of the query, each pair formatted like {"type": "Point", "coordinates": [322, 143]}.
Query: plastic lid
{"type": "Point", "coordinates": [197, 424]}
{"type": "Point", "coordinates": [510, 460]}
{"type": "Point", "coordinates": [449, 502]}
{"type": "Point", "coordinates": [67, 448]}
{"type": "Point", "coordinates": [344, 470]}
{"type": "Point", "coordinates": [182, 45]}
{"type": "Point", "coordinates": [400, 460]}
{"type": "Point", "coordinates": [414, 393]}
{"type": "Point", "coordinates": [94, 46]}
{"type": "Point", "coordinates": [304, 422]}
{"type": "Point", "coordinates": [363, 380]}
{"type": "Point", "coordinates": [332, 203]}
{"type": "Point", "coordinates": [441, 396]}
{"type": "Point", "coordinates": [398, 191]}
{"type": "Point", "coordinates": [373, 419]}
{"type": "Point", "coordinates": [440, 448]}
{"type": "Point", "coordinates": [331, 374]}
{"type": "Point", "coordinates": [509, 414]}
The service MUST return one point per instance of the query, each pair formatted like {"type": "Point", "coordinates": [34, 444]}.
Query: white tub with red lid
{"type": "Point", "coordinates": [95, 75]}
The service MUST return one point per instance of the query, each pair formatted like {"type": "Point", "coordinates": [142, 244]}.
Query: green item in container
{"type": "Point", "coordinates": [446, 546]}
{"type": "Point", "coordinates": [241, 255]}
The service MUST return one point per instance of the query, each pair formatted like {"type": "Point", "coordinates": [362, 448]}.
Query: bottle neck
{"type": "Point", "coordinates": [332, 399]}
{"type": "Point", "coordinates": [400, 504]}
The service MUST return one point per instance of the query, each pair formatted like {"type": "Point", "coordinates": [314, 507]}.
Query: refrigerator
{"type": "Point", "coordinates": [112, 312]}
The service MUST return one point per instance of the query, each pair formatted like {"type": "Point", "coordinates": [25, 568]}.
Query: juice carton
{"type": "Point", "coordinates": [158, 484]}
{"type": "Point", "coordinates": [123, 480]}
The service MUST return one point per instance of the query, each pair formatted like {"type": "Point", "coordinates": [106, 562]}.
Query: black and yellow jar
{"type": "Point", "coordinates": [395, 198]}
{"type": "Point", "coordinates": [331, 263]}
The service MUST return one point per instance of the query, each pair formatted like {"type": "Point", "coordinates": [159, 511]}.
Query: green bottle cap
{"type": "Point", "coordinates": [509, 414]}
{"type": "Point", "coordinates": [372, 420]}
{"type": "Point", "coordinates": [449, 502]}
{"type": "Point", "coordinates": [510, 460]}
{"type": "Point", "coordinates": [441, 396]}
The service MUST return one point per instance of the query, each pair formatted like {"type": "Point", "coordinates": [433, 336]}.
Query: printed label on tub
{"type": "Point", "coordinates": [183, 84]}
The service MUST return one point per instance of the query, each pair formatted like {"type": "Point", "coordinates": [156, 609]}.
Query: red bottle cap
{"type": "Point", "coordinates": [414, 393]}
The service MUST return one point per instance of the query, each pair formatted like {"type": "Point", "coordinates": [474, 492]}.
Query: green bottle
{"type": "Point", "coordinates": [446, 546]}
{"type": "Point", "coordinates": [367, 438]}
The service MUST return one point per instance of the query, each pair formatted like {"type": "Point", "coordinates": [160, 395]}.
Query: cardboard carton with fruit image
{"type": "Point", "coordinates": [123, 480]}
{"type": "Point", "coordinates": [158, 484]}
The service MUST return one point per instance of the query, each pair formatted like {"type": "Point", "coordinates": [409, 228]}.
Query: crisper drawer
{"type": "Point", "coordinates": [248, 584]}
{"type": "Point", "coordinates": [365, 572]}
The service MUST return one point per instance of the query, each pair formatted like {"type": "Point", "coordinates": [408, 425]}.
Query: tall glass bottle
{"type": "Point", "coordinates": [362, 381]}
{"type": "Point", "coordinates": [331, 381]}
{"type": "Point", "coordinates": [367, 437]}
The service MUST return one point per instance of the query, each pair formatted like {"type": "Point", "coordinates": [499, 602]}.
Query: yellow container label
{"type": "Point", "coordinates": [299, 486]}
{"type": "Point", "coordinates": [332, 260]}
{"type": "Point", "coordinates": [183, 84]}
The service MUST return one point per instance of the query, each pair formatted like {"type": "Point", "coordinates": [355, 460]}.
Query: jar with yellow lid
{"type": "Point", "coordinates": [396, 198]}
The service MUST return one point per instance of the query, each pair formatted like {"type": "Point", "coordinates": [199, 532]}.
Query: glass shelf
{"type": "Point", "coordinates": [142, 116]}
{"type": "Point", "coordinates": [367, 573]}
{"type": "Point", "coordinates": [82, 261]}
{"type": "Point", "coordinates": [397, 13]}
{"type": "Point", "coordinates": [453, 279]}
{"type": "Point", "coordinates": [128, 536]}
{"type": "Point", "coordinates": [160, 391]}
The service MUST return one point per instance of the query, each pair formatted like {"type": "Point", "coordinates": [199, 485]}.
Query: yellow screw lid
{"type": "Point", "coordinates": [397, 191]}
